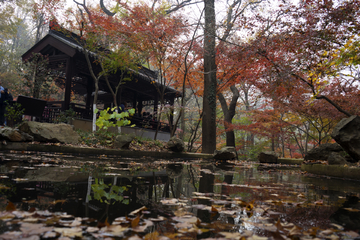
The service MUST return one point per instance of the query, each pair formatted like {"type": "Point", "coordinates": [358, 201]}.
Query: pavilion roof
{"type": "Point", "coordinates": [59, 46]}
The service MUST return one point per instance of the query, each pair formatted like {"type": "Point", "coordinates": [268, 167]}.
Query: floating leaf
{"type": "Point", "coordinates": [69, 232]}
{"type": "Point", "coordinates": [152, 236]}
{"type": "Point", "coordinates": [10, 207]}
{"type": "Point", "coordinates": [213, 209]}
{"type": "Point", "coordinates": [139, 210]}
{"type": "Point", "coordinates": [231, 235]}
{"type": "Point", "coordinates": [135, 222]}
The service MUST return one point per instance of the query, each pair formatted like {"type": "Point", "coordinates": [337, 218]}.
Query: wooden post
{"type": "Point", "coordinates": [139, 106]}
{"type": "Point", "coordinates": [135, 100]}
{"type": "Point", "coordinates": [89, 90]}
{"type": "Point", "coordinates": [156, 102]}
{"type": "Point", "coordinates": [171, 120]}
{"type": "Point", "coordinates": [69, 75]}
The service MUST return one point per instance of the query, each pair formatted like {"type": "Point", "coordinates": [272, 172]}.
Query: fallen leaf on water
{"type": "Point", "coordinates": [256, 237]}
{"type": "Point", "coordinates": [139, 210]}
{"type": "Point", "coordinates": [92, 229]}
{"type": "Point", "coordinates": [186, 218]}
{"type": "Point", "coordinates": [135, 222]}
{"type": "Point", "coordinates": [231, 235]}
{"type": "Point", "coordinates": [213, 209]}
{"type": "Point", "coordinates": [152, 236]}
{"type": "Point", "coordinates": [351, 234]}
{"type": "Point", "coordinates": [326, 232]}
{"type": "Point", "coordinates": [352, 209]}
{"type": "Point", "coordinates": [115, 230]}
{"type": "Point", "coordinates": [76, 222]}
{"type": "Point", "coordinates": [143, 226]}
{"type": "Point", "coordinates": [339, 227]}
{"type": "Point", "coordinates": [50, 235]}
{"type": "Point", "coordinates": [172, 201]}
{"type": "Point", "coordinates": [295, 231]}
{"type": "Point", "coordinates": [10, 235]}
{"type": "Point", "coordinates": [59, 201]}
{"type": "Point", "coordinates": [158, 219]}
{"type": "Point", "coordinates": [3, 187]}
{"type": "Point", "coordinates": [182, 225]}
{"type": "Point", "coordinates": [69, 232]}
{"type": "Point", "coordinates": [10, 207]}
{"type": "Point", "coordinates": [107, 223]}
{"type": "Point", "coordinates": [34, 228]}
{"type": "Point", "coordinates": [20, 179]}
{"type": "Point", "coordinates": [31, 220]}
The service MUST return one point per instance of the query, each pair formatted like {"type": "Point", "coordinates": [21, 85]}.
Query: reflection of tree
{"type": "Point", "coordinates": [206, 185]}
{"type": "Point", "coordinates": [174, 172]}
{"type": "Point", "coordinates": [228, 176]}
{"type": "Point", "coordinates": [108, 192]}
{"type": "Point", "coordinates": [191, 171]}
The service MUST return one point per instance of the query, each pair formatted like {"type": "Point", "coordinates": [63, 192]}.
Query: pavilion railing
{"type": "Point", "coordinates": [53, 109]}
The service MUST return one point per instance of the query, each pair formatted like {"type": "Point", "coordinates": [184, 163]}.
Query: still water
{"type": "Point", "coordinates": [236, 197]}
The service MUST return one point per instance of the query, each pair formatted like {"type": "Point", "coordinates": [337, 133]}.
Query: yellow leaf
{"type": "Point", "coordinates": [213, 209]}
{"type": "Point", "coordinates": [152, 236]}
{"type": "Point", "coordinates": [135, 222]}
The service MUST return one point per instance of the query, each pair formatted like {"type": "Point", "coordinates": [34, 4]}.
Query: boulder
{"type": "Point", "coordinates": [347, 134]}
{"type": "Point", "coordinates": [268, 157]}
{"type": "Point", "coordinates": [26, 137]}
{"type": "Point", "coordinates": [225, 153]}
{"type": "Point", "coordinates": [174, 170]}
{"type": "Point", "coordinates": [323, 151]}
{"type": "Point", "coordinates": [348, 215]}
{"type": "Point", "coordinates": [14, 135]}
{"type": "Point", "coordinates": [336, 159]}
{"type": "Point", "coordinates": [50, 132]}
{"type": "Point", "coordinates": [175, 144]}
{"type": "Point", "coordinates": [123, 141]}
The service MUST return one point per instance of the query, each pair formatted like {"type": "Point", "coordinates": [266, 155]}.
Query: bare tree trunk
{"type": "Point", "coordinates": [229, 113]}
{"type": "Point", "coordinates": [210, 85]}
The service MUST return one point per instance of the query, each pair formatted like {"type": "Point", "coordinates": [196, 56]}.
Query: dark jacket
{"type": "Point", "coordinates": [6, 97]}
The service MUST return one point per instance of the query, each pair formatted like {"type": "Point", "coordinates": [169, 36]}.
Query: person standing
{"type": "Point", "coordinates": [6, 99]}
{"type": "Point", "coordinates": [2, 104]}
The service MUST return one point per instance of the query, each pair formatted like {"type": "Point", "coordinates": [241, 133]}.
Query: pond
{"type": "Point", "coordinates": [49, 196]}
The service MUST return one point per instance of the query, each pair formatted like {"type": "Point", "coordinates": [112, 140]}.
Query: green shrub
{"type": "Point", "coordinates": [109, 118]}
{"type": "Point", "coordinates": [66, 117]}
{"type": "Point", "coordinates": [13, 114]}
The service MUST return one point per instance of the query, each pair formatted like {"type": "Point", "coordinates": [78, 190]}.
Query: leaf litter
{"type": "Point", "coordinates": [218, 215]}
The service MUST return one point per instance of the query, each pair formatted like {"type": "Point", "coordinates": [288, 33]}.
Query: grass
{"type": "Point", "coordinates": [106, 139]}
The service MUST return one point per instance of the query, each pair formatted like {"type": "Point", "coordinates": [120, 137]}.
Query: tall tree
{"type": "Point", "coordinates": [210, 85]}
{"type": "Point", "coordinates": [298, 44]}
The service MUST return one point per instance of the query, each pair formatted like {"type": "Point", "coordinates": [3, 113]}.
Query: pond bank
{"type": "Point", "coordinates": [332, 171]}
{"type": "Point", "coordinates": [23, 146]}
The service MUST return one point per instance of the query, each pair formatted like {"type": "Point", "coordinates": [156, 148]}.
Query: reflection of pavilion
{"type": "Point", "coordinates": [67, 60]}
{"type": "Point", "coordinates": [65, 189]}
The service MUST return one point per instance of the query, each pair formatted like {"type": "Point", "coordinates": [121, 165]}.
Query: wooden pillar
{"type": "Point", "coordinates": [69, 75]}
{"type": "Point", "coordinates": [171, 120]}
{"type": "Point", "coordinates": [119, 99]}
{"type": "Point", "coordinates": [156, 102]}
{"type": "Point", "coordinates": [135, 99]}
{"type": "Point", "coordinates": [89, 90]}
{"type": "Point", "coordinates": [140, 106]}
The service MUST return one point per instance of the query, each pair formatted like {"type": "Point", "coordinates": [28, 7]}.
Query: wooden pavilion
{"type": "Point", "coordinates": [67, 61]}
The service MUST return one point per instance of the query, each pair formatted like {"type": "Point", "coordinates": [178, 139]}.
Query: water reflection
{"type": "Point", "coordinates": [73, 185]}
